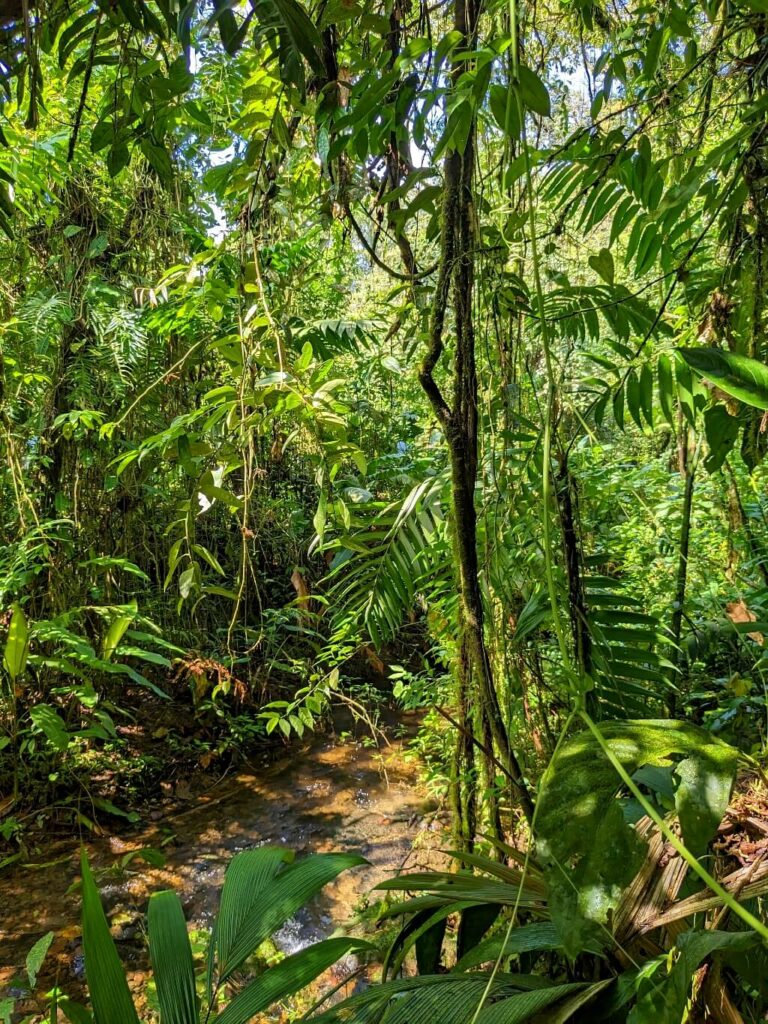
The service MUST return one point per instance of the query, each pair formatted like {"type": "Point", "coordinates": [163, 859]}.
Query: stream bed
{"type": "Point", "coordinates": [349, 796]}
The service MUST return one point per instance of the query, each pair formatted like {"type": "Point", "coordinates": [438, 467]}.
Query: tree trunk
{"type": "Point", "coordinates": [455, 285]}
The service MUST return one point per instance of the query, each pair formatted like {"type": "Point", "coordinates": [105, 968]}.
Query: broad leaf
{"type": "Point", "coordinates": [36, 956]}
{"type": "Point", "coordinates": [115, 633]}
{"type": "Point", "coordinates": [534, 92]}
{"type": "Point", "coordinates": [17, 644]}
{"type": "Point", "coordinates": [738, 376]}
{"type": "Point", "coordinates": [721, 430]}
{"type": "Point", "coordinates": [602, 263]}
{"type": "Point", "coordinates": [51, 724]}
{"type": "Point", "coordinates": [587, 849]}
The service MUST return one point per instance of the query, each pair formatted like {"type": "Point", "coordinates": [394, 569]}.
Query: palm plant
{"type": "Point", "coordinates": [547, 935]}
{"type": "Point", "coordinates": [386, 556]}
{"type": "Point", "coordinates": [263, 888]}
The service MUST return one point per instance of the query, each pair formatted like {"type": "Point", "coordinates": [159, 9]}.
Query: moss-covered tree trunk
{"type": "Point", "coordinates": [459, 419]}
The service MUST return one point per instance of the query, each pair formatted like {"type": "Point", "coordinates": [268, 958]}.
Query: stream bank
{"type": "Point", "coordinates": [328, 795]}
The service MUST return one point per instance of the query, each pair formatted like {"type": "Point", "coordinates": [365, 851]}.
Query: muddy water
{"type": "Point", "coordinates": [327, 796]}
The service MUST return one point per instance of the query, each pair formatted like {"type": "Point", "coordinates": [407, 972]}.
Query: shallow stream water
{"type": "Point", "coordinates": [329, 795]}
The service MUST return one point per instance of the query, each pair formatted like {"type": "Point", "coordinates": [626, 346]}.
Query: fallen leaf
{"type": "Point", "coordinates": [738, 612]}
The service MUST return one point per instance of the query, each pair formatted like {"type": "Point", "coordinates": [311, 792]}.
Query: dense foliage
{"type": "Point", "coordinates": [359, 341]}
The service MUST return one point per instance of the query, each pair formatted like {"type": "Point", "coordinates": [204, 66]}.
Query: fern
{"type": "Point", "coordinates": [122, 340]}
{"type": "Point", "coordinates": [339, 337]}
{"type": "Point", "coordinates": [40, 318]}
{"type": "Point", "coordinates": [579, 312]}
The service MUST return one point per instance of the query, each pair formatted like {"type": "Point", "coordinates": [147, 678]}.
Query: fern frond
{"type": "Point", "coordinates": [121, 338]}
{"type": "Point", "coordinates": [578, 313]}
{"type": "Point", "coordinates": [330, 338]}
{"type": "Point", "coordinates": [40, 318]}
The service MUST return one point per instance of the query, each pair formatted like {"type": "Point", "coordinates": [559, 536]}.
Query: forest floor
{"type": "Point", "coordinates": [331, 794]}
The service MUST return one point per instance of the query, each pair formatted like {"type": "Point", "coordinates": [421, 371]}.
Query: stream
{"type": "Point", "coordinates": [328, 795]}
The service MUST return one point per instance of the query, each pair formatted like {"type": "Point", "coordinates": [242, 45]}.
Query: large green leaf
{"type": "Point", "coordinates": [248, 876]}
{"type": "Point", "coordinates": [115, 633]}
{"type": "Point", "coordinates": [48, 720]}
{"type": "Point", "coordinates": [110, 997]}
{"type": "Point", "coordinates": [261, 891]}
{"type": "Point", "coordinates": [302, 32]}
{"type": "Point", "coordinates": [533, 92]}
{"type": "Point", "coordinates": [17, 644]}
{"type": "Point", "coordinates": [171, 956]}
{"type": "Point", "coordinates": [738, 376]}
{"type": "Point", "coordinates": [721, 430]}
{"type": "Point", "coordinates": [589, 852]}
{"type": "Point", "coordinates": [287, 977]}
{"type": "Point", "coordinates": [663, 996]}
{"type": "Point", "coordinates": [36, 956]}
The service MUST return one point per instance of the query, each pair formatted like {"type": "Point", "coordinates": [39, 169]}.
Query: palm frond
{"type": "Point", "coordinates": [451, 999]}
{"type": "Point", "coordinates": [110, 996]}
{"type": "Point", "coordinates": [261, 891]}
{"type": "Point", "coordinates": [171, 956]}
{"type": "Point", "coordinates": [631, 677]}
{"type": "Point", "coordinates": [381, 565]}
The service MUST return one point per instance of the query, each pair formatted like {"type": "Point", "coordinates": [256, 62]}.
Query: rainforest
{"type": "Point", "coordinates": [383, 511]}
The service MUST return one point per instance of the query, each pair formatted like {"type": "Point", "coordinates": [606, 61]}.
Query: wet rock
{"type": "Point", "coordinates": [135, 980]}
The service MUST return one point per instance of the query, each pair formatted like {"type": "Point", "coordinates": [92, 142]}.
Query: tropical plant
{"type": "Point", "coordinates": [335, 334]}
{"type": "Point", "coordinates": [263, 888]}
{"type": "Point", "coordinates": [598, 908]}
